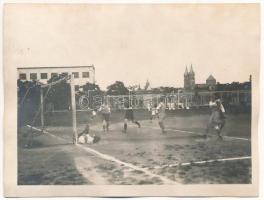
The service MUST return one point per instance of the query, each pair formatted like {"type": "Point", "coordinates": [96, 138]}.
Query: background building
{"type": "Point", "coordinates": [190, 85]}
{"type": "Point", "coordinates": [82, 74]}
{"type": "Point", "coordinates": [210, 85]}
{"type": "Point", "coordinates": [211, 80]}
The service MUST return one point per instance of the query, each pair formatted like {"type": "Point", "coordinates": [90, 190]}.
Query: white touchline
{"type": "Point", "coordinates": [196, 133]}
{"type": "Point", "coordinates": [203, 162]}
{"type": "Point", "coordinates": [113, 159]}
{"type": "Point", "coordinates": [238, 138]}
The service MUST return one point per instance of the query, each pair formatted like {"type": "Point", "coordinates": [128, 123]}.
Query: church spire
{"type": "Point", "coordinates": [186, 71]}
{"type": "Point", "coordinates": [191, 70]}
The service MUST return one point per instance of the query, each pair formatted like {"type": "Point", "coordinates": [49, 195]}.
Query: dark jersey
{"type": "Point", "coordinates": [106, 116]}
{"type": "Point", "coordinates": [129, 114]}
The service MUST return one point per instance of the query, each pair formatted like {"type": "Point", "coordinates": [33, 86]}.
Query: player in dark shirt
{"type": "Point", "coordinates": [129, 116]}
{"type": "Point", "coordinates": [105, 110]}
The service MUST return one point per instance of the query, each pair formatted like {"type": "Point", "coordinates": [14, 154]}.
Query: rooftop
{"type": "Point", "coordinates": [210, 77]}
{"type": "Point", "coordinates": [90, 66]}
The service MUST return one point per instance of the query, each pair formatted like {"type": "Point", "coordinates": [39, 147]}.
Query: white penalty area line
{"type": "Point", "coordinates": [196, 133]}
{"type": "Point", "coordinates": [113, 159]}
{"type": "Point", "coordinates": [203, 162]}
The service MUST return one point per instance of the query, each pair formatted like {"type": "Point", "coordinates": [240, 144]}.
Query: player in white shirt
{"type": "Point", "coordinates": [217, 118]}
{"type": "Point", "coordinates": [152, 111]}
{"type": "Point", "coordinates": [161, 109]}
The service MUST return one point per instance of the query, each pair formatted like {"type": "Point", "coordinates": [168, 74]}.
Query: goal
{"type": "Point", "coordinates": [36, 104]}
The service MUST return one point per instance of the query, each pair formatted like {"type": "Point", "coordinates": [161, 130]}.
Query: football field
{"type": "Point", "coordinates": [142, 155]}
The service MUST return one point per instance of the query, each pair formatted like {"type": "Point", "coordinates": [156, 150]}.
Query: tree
{"type": "Point", "coordinates": [168, 90]}
{"type": "Point", "coordinates": [164, 90]}
{"type": "Point", "coordinates": [117, 88]}
{"type": "Point", "coordinates": [28, 101]}
{"type": "Point", "coordinates": [59, 94]}
{"type": "Point", "coordinates": [91, 87]}
{"type": "Point", "coordinates": [91, 90]}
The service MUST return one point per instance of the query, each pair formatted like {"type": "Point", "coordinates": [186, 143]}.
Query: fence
{"type": "Point", "coordinates": [172, 101]}
{"type": "Point", "coordinates": [234, 102]}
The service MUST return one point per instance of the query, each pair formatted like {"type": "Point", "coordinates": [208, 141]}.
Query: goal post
{"type": "Point", "coordinates": [41, 108]}
{"type": "Point", "coordinates": [73, 109]}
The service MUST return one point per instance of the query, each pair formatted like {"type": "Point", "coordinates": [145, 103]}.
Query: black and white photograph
{"type": "Point", "coordinates": [132, 95]}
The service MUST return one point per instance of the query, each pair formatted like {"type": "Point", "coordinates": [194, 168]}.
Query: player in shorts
{"type": "Point", "coordinates": [129, 116]}
{"type": "Point", "coordinates": [161, 109]}
{"type": "Point", "coordinates": [217, 118]}
{"type": "Point", "coordinates": [149, 107]}
{"type": "Point", "coordinates": [105, 110]}
{"type": "Point", "coordinates": [153, 112]}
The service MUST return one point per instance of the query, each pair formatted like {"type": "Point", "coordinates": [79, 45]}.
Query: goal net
{"type": "Point", "coordinates": [36, 108]}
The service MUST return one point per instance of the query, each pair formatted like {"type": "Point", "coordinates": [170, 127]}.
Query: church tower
{"type": "Point", "coordinates": [189, 79]}
{"type": "Point", "coordinates": [186, 78]}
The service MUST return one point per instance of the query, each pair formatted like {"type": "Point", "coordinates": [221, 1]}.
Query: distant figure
{"type": "Point", "coordinates": [93, 114]}
{"type": "Point", "coordinates": [161, 109]}
{"type": "Point", "coordinates": [149, 106]}
{"type": "Point", "coordinates": [153, 112]}
{"type": "Point", "coordinates": [105, 111]}
{"type": "Point", "coordinates": [217, 118]}
{"type": "Point", "coordinates": [150, 109]}
{"type": "Point", "coordinates": [129, 116]}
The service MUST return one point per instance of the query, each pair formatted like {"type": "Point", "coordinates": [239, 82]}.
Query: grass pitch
{"type": "Point", "coordinates": [174, 156]}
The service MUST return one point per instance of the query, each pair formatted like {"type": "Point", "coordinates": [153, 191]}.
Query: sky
{"type": "Point", "coordinates": [136, 43]}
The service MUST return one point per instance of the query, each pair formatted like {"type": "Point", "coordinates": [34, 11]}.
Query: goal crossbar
{"type": "Point", "coordinates": [55, 82]}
